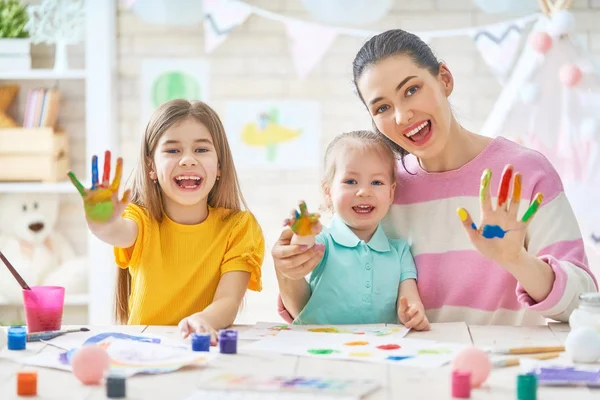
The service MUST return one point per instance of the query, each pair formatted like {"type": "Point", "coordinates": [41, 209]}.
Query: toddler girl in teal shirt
{"type": "Point", "coordinates": [363, 277]}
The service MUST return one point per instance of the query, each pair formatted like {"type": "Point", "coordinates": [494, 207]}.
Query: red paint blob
{"type": "Point", "coordinates": [388, 347]}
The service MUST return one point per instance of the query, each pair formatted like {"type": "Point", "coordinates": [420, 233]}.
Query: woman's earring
{"type": "Point", "coordinates": [218, 177]}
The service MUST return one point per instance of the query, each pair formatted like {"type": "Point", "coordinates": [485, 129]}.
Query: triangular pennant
{"type": "Point", "coordinates": [499, 46]}
{"type": "Point", "coordinates": [220, 18]}
{"type": "Point", "coordinates": [309, 44]}
{"type": "Point", "coordinates": [129, 3]}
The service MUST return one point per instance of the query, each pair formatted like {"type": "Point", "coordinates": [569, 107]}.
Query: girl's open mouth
{"type": "Point", "coordinates": [363, 209]}
{"type": "Point", "coordinates": [187, 182]}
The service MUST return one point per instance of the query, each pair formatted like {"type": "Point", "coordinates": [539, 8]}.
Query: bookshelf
{"type": "Point", "coordinates": [42, 74]}
{"type": "Point", "coordinates": [99, 76]}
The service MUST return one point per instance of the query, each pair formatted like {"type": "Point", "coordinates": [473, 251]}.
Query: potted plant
{"type": "Point", "coordinates": [14, 38]}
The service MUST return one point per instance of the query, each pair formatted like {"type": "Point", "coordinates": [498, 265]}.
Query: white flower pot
{"type": "Point", "coordinates": [15, 54]}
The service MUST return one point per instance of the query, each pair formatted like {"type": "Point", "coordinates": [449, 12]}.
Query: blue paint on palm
{"type": "Point", "coordinates": [493, 231]}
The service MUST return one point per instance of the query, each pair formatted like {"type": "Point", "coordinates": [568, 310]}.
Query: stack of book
{"type": "Point", "coordinates": [41, 109]}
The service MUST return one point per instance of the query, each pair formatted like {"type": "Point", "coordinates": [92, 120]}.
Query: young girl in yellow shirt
{"type": "Point", "coordinates": [186, 249]}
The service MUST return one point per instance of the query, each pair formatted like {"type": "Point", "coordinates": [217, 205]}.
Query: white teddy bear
{"type": "Point", "coordinates": [41, 255]}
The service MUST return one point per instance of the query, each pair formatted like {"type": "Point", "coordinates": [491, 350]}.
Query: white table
{"type": "Point", "coordinates": [397, 382]}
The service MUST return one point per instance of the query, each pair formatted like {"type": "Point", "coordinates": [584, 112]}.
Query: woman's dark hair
{"type": "Point", "coordinates": [387, 44]}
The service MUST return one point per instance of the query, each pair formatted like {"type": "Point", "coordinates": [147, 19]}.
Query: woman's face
{"type": "Point", "coordinates": [408, 104]}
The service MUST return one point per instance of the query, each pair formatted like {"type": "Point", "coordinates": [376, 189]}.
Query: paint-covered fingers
{"type": "Point", "coordinates": [114, 186]}
{"type": "Point", "coordinates": [106, 170]}
{"type": "Point", "coordinates": [485, 194]}
{"type": "Point", "coordinates": [94, 172]}
{"type": "Point", "coordinates": [513, 209]}
{"type": "Point", "coordinates": [504, 187]}
{"type": "Point", "coordinates": [77, 184]}
{"type": "Point", "coordinates": [303, 208]}
{"type": "Point", "coordinates": [467, 221]}
{"type": "Point", "coordinates": [533, 208]}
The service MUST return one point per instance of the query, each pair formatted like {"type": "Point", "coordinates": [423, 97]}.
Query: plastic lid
{"type": "Point", "coordinates": [228, 334]}
{"type": "Point", "coordinates": [526, 387]}
{"type": "Point", "coordinates": [17, 331]}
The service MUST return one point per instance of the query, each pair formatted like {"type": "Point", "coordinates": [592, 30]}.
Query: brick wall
{"type": "Point", "coordinates": [254, 63]}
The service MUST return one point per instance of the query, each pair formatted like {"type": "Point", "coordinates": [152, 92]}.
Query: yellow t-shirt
{"type": "Point", "coordinates": [175, 268]}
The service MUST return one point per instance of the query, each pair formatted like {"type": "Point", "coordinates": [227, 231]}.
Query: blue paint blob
{"type": "Point", "coordinates": [493, 231]}
{"type": "Point", "coordinates": [398, 358]}
{"type": "Point", "coordinates": [473, 226]}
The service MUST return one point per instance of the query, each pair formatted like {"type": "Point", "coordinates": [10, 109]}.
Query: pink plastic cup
{"type": "Point", "coordinates": [44, 308]}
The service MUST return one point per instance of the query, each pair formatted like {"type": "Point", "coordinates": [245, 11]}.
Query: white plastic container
{"type": "Point", "coordinates": [588, 312]}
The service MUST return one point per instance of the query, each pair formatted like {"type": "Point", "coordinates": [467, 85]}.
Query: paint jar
{"type": "Point", "coordinates": [228, 341]}
{"type": "Point", "coordinates": [587, 314]}
{"type": "Point", "coordinates": [44, 308]}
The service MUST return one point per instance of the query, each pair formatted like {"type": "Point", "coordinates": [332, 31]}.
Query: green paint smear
{"type": "Point", "coordinates": [99, 212]}
{"type": "Point", "coordinates": [530, 211]}
{"type": "Point", "coordinates": [435, 351]}
{"type": "Point", "coordinates": [322, 351]}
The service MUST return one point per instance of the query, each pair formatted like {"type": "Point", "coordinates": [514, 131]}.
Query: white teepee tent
{"type": "Point", "coordinates": [551, 103]}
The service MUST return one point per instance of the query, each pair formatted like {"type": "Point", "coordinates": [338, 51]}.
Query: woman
{"type": "Point", "coordinates": [534, 267]}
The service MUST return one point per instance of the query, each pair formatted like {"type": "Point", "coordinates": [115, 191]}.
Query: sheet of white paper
{"type": "Point", "coordinates": [385, 349]}
{"type": "Point", "coordinates": [260, 386]}
{"type": "Point", "coordinates": [265, 329]}
{"type": "Point", "coordinates": [129, 357]}
{"type": "Point", "coordinates": [78, 339]}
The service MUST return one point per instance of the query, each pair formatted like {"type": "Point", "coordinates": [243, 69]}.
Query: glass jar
{"type": "Point", "coordinates": [588, 312]}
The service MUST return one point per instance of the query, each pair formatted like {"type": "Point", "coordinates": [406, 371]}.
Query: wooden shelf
{"type": "Point", "coordinates": [37, 187]}
{"type": "Point", "coordinates": [73, 300]}
{"type": "Point", "coordinates": [42, 74]}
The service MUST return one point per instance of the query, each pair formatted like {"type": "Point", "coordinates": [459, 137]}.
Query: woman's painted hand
{"type": "Point", "coordinates": [501, 234]}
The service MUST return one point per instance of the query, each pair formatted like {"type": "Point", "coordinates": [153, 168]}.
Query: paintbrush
{"type": "Point", "coordinates": [14, 272]}
{"type": "Point", "coordinates": [529, 350]}
{"type": "Point", "coordinates": [511, 362]}
{"type": "Point", "coordinates": [47, 335]}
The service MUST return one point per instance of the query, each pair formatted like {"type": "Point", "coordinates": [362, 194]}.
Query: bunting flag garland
{"type": "Point", "coordinates": [309, 43]}
{"type": "Point", "coordinates": [220, 18]}
{"type": "Point", "coordinates": [498, 43]}
{"type": "Point", "coordinates": [499, 46]}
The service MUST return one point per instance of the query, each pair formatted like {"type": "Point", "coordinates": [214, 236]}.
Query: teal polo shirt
{"type": "Point", "coordinates": [356, 282]}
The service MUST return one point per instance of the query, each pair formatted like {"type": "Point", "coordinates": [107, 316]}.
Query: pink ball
{"type": "Point", "coordinates": [474, 360]}
{"type": "Point", "coordinates": [541, 42]}
{"type": "Point", "coordinates": [570, 75]}
{"type": "Point", "coordinates": [90, 363]}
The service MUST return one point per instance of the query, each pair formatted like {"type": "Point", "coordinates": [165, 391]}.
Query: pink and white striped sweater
{"type": "Point", "coordinates": [455, 281]}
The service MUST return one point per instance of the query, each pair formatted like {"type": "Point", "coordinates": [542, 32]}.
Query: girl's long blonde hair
{"type": "Point", "coordinates": [145, 193]}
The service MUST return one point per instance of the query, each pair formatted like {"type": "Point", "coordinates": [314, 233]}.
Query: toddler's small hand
{"type": "Point", "coordinates": [413, 315]}
{"type": "Point", "coordinates": [196, 324]}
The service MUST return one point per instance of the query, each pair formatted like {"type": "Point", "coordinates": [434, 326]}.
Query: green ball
{"type": "Point", "coordinates": [175, 85]}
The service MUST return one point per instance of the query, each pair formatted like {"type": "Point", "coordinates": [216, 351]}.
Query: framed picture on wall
{"type": "Point", "coordinates": [274, 134]}
{"type": "Point", "coordinates": [164, 79]}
